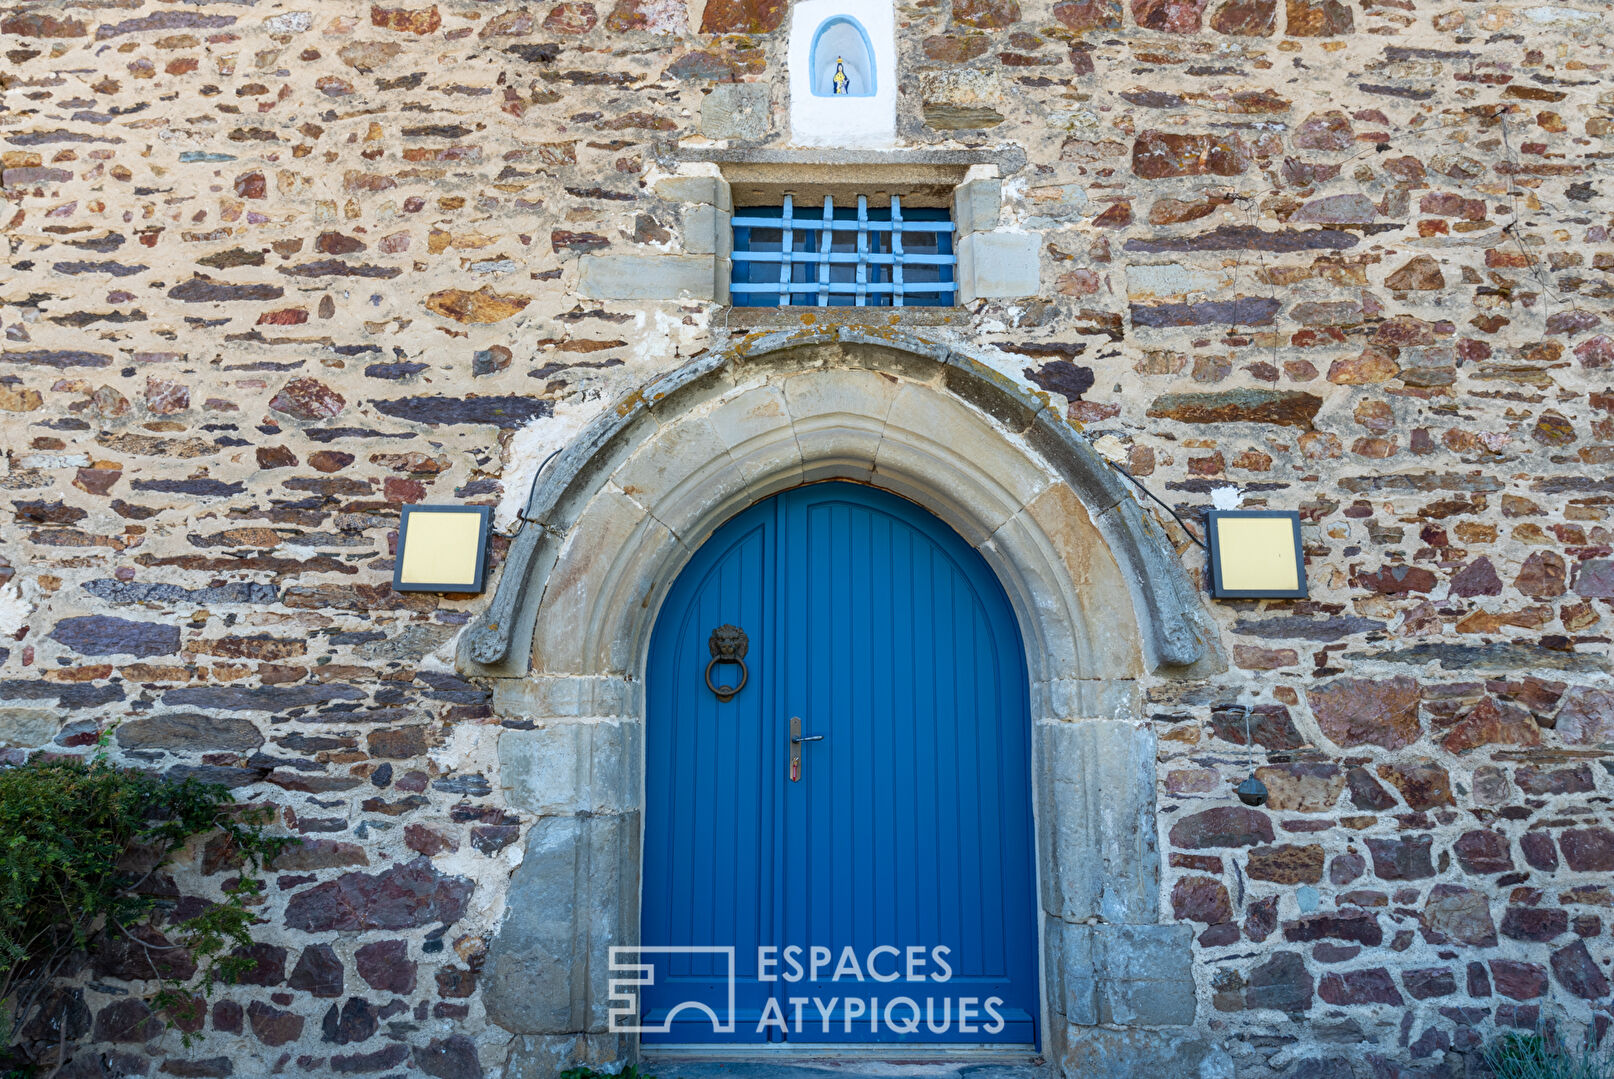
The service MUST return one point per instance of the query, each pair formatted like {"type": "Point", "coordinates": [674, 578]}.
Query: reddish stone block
{"type": "Point", "coordinates": [1574, 780]}
{"type": "Point", "coordinates": [318, 971]}
{"type": "Point", "coordinates": [1262, 919]}
{"type": "Point", "coordinates": [1201, 899]}
{"type": "Point", "coordinates": [1493, 723]}
{"type": "Point", "coordinates": [1286, 864]}
{"type": "Point", "coordinates": [427, 840]}
{"type": "Point", "coordinates": [1084, 15]}
{"type": "Point", "coordinates": [1423, 783]}
{"type": "Point", "coordinates": [1539, 850]}
{"type": "Point", "coordinates": [571, 18]}
{"type": "Point", "coordinates": [1483, 852]}
{"type": "Point", "coordinates": [1318, 18]}
{"type": "Point", "coordinates": [1429, 983]}
{"type": "Point", "coordinates": [1534, 923]}
{"type": "Point", "coordinates": [449, 1058]}
{"type": "Point", "coordinates": [1372, 986]}
{"type": "Point", "coordinates": [1402, 858]}
{"type": "Point", "coordinates": [1329, 130]}
{"type": "Point", "coordinates": [271, 1026]}
{"type": "Point", "coordinates": [1171, 16]}
{"type": "Point", "coordinates": [1521, 981]}
{"type": "Point", "coordinates": [308, 399]}
{"type": "Point", "coordinates": [1588, 850]}
{"type": "Point", "coordinates": [406, 896]}
{"type": "Point", "coordinates": [1246, 18]}
{"type": "Point", "coordinates": [1359, 927]}
{"type": "Point", "coordinates": [1587, 716]}
{"type": "Point", "coordinates": [1577, 972]}
{"type": "Point", "coordinates": [1357, 711]}
{"type": "Point", "coordinates": [1157, 155]}
{"type": "Point", "coordinates": [385, 966]}
{"type": "Point", "coordinates": [421, 21]}
{"type": "Point", "coordinates": [986, 14]}
{"type": "Point", "coordinates": [125, 1021]}
{"type": "Point", "coordinates": [1224, 826]}
{"type": "Point", "coordinates": [1542, 576]}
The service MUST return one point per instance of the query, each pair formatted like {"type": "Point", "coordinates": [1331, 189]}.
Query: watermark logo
{"type": "Point", "coordinates": [623, 1008]}
{"type": "Point", "coordinates": [848, 1005]}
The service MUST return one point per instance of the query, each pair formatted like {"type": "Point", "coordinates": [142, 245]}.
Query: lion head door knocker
{"type": "Point", "coordinates": [728, 644]}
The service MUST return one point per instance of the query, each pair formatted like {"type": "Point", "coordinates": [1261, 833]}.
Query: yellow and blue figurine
{"type": "Point", "coordinates": [840, 84]}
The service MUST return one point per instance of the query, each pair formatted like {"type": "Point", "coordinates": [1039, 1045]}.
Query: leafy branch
{"type": "Point", "coordinates": [82, 843]}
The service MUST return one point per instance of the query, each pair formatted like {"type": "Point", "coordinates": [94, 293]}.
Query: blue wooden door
{"type": "Point", "coordinates": [884, 893]}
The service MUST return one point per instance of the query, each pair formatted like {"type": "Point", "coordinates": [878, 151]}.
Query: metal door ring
{"type": "Point", "coordinates": [727, 644]}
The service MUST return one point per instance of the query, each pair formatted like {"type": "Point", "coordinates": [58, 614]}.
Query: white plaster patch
{"type": "Point", "coordinates": [17, 600]}
{"type": "Point", "coordinates": [1170, 279]}
{"type": "Point", "coordinates": [1112, 448]}
{"type": "Point", "coordinates": [442, 660]}
{"type": "Point", "coordinates": [1565, 17]}
{"type": "Point", "coordinates": [530, 447]}
{"type": "Point", "coordinates": [292, 22]}
{"type": "Point", "coordinates": [53, 460]}
{"type": "Point", "coordinates": [1226, 498]}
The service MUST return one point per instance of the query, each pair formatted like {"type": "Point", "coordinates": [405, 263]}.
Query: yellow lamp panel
{"type": "Point", "coordinates": [1257, 554]}
{"type": "Point", "coordinates": [441, 548]}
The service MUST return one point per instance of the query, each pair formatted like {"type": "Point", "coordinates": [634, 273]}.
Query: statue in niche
{"type": "Point", "coordinates": [840, 83]}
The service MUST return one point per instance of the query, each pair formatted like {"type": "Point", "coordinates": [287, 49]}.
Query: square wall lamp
{"type": "Point", "coordinates": [442, 549]}
{"type": "Point", "coordinates": [1255, 554]}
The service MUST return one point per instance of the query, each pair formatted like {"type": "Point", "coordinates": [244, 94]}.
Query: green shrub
{"type": "Point", "coordinates": [1541, 1055]}
{"type": "Point", "coordinates": [630, 1072]}
{"type": "Point", "coordinates": [81, 844]}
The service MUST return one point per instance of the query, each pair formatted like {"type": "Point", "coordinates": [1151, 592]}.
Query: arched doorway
{"type": "Point", "coordinates": [875, 879]}
{"type": "Point", "coordinates": [1102, 605]}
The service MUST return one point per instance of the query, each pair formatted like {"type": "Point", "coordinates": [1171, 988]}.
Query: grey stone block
{"type": "Point", "coordinates": [28, 727]}
{"type": "Point", "coordinates": [652, 277]}
{"type": "Point", "coordinates": [976, 205]}
{"type": "Point", "coordinates": [736, 110]}
{"type": "Point", "coordinates": [544, 1056]}
{"type": "Point", "coordinates": [1097, 791]}
{"type": "Point", "coordinates": [1132, 1054]}
{"type": "Point", "coordinates": [1077, 974]}
{"type": "Point", "coordinates": [548, 965]}
{"type": "Point", "coordinates": [1128, 975]}
{"type": "Point", "coordinates": [711, 190]}
{"type": "Point", "coordinates": [569, 767]}
{"type": "Point", "coordinates": [1148, 979]}
{"type": "Point", "coordinates": [999, 265]}
{"type": "Point", "coordinates": [707, 231]}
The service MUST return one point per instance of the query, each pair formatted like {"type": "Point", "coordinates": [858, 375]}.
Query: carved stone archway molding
{"type": "Point", "coordinates": [1099, 593]}
{"type": "Point", "coordinates": [1168, 610]}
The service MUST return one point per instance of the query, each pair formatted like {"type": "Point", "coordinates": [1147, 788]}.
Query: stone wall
{"type": "Point", "coordinates": [274, 270]}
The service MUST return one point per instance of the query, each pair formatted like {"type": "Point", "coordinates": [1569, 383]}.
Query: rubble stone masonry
{"type": "Point", "coordinates": [275, 268]}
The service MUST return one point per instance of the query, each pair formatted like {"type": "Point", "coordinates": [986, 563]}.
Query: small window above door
{"type": "Point", "coordinates": [843, 255]}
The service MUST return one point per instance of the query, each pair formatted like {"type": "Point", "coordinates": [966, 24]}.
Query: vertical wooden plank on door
{"type": "Point", "coordinates": [710, 851]}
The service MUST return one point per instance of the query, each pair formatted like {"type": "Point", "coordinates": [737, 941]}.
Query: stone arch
{"type": "Point", "coordinates": [1099, 593]}
{"type": "Point", "coordinates": [693, 477]}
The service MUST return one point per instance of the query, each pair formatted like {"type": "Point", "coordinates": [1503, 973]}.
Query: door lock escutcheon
{"type": "Point", "coordinates": [796, 739]}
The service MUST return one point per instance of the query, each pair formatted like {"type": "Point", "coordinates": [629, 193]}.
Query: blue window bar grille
{"type": "Point", "coordinates": [892, 257]}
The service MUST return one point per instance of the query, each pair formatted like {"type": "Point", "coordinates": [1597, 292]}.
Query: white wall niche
{"type": "Point", "coordinates": [862, 34]}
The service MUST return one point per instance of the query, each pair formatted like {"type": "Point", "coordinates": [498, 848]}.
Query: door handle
{"type": "Point", "coordinates": [796, 739]}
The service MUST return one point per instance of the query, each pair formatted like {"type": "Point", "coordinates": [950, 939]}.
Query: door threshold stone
{"type": "Point", "coordinates": [840, 1068]}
